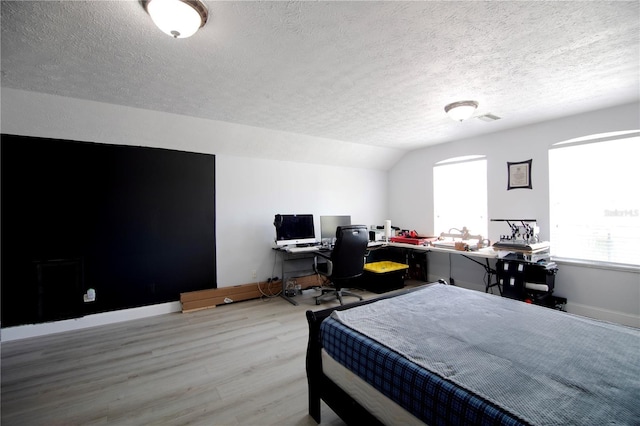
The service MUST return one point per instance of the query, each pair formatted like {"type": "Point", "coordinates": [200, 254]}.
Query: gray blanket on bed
{"type": "Point", "coordinates": [545, 366]}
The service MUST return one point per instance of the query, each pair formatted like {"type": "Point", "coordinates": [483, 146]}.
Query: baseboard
{"type": "Point", "coordinates": [103, 318]}
{"type": "Point", "coordinates": [603, 314]}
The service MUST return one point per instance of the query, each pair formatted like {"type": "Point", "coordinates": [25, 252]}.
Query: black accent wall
{"type": "Point", "coordinates": [136, 224]}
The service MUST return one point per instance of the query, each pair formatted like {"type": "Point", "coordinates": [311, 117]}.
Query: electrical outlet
{"type": "Point", "coordinates": [254, 274]}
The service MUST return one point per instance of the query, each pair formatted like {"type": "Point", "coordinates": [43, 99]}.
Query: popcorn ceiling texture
{"type": "Point", "coordinates": [374, 73]}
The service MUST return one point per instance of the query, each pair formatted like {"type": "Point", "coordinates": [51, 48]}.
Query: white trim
{"type": "Point", "coordinates": [600, 137]}
{"type": "Point", "coordinates": [462, 159]}
{"type": "Point", "coordinates": [104, 318]}
{"type": "Point", "coordinates": [596, 264]}
{"type": "Point", "coordinates": [603, 314]}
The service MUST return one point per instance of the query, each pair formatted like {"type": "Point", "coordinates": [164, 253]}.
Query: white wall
{"type": "Point", "coordinates": [601, 293]}
{"type": "Point", "coordinates": [43, 115]}
{"type": "Point", "coordinates": [249, 192]}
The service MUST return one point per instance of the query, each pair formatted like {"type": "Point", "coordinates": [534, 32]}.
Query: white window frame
{"type": "Point", "coordinates": [465, 181]}
{"type": "Point", "coordinates": [560, 249]}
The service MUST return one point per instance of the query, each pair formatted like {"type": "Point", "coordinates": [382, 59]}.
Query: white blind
{"type": "Point", "coordinates": [460, 196]}
{"type": "Point", "coordinates": [594, 194]}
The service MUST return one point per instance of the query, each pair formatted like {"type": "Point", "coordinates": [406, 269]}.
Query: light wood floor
{"type": "Point", "coordinates": [237, 364]}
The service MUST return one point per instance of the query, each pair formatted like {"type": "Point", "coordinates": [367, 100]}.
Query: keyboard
{"type": "Point", "coordinates": [302, 249]}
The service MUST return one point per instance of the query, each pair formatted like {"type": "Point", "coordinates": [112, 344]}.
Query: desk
{"type": "Point", "coordinates": [482, 257]}
{"type": "Point", "coordinates": [294, 265]}
{"type": "Point", "coordinates": [484, 253]}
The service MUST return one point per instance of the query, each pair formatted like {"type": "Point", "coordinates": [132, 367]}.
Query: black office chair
{"type": "Point", "coordinates": [345, 262]}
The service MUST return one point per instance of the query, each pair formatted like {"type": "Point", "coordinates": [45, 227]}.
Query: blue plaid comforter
{"type": "Point", "coordinates": [427, 396]}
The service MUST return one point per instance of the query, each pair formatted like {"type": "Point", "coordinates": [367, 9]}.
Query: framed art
{"type": "Point", "coordinates": [519, 175]}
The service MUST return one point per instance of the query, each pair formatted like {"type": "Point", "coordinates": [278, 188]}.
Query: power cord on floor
{"type": "Point", "coordinates": [267, 288]}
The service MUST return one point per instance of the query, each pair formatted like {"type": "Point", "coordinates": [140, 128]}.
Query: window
{"type": "Point", "coordinates": [594, 195]}
{"type": "Point", "coordinates": [460, 195]}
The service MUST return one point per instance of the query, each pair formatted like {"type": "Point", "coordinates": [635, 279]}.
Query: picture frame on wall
{"type": "Point", "coordinates": [519, 175]}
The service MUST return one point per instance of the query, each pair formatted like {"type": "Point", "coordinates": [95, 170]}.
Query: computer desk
{"type": "Point", "coordinates": [291, 258]}
{"type": "Point", "coordinates": [486, 254]}
{"type": "Point", "coordinates": [293, 268]}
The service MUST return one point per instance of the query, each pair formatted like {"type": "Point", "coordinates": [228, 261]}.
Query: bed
{"type": "Point", "coordinates": [443, 355]}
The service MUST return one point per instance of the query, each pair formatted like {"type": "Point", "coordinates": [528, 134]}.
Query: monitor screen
{"type": "Point", "coordinates": [329, 224]}
{"type": "Point", "coordinates": [294, 229]}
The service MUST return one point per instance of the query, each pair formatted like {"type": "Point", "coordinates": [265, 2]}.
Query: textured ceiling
{"type": "Point", "coordinates": [374, 73]}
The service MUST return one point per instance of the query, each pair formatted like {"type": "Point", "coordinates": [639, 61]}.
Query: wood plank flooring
{"type": "Point", "coordinates": [237, 364]}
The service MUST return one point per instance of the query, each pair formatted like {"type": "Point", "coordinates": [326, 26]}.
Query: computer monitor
{"type": "Point", "coordinates": [293, 229]}
{"type": "Point", "coordinates": [329, 224]}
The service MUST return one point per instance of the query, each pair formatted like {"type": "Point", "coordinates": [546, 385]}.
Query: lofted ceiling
{"type": "Point", "coordinates": [376, 73]}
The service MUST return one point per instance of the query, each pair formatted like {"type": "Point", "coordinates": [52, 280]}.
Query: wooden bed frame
{"type": "Point", "coordinates": [323, 388]}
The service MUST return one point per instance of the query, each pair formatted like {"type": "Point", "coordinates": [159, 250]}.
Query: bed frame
{"type": "Point", "coordinates": [323, 388]}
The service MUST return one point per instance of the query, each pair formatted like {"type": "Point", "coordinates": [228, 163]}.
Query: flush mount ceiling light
{"type": "Point", "coordinates": [178, 18]}
{"type": "Point", "coordinates": [461, 110]}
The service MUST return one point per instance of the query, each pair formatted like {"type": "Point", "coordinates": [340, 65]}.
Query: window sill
{"type": "Point", "coordinates": [597, 264]}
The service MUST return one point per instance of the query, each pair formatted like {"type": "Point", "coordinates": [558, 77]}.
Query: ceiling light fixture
{"type": "Point", "coordinates": [178, 18]}
{"type": "Point", "coordinates": [461, 110]}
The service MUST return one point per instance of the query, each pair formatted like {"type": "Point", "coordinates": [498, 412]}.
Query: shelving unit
{"type": "Point", "coordinates": [531, 282]}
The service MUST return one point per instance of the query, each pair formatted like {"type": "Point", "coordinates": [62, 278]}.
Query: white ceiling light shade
{"type": "Point", "coordinates": [461, 110]}
{"type": "Point", "coordinates": [178, 18]}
